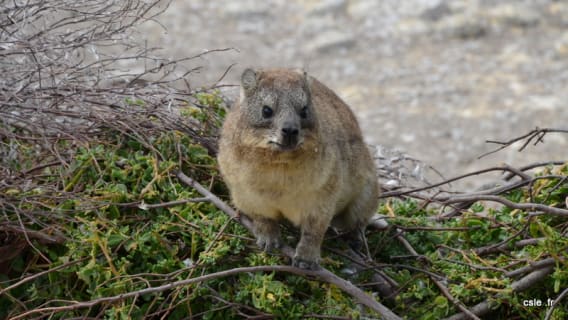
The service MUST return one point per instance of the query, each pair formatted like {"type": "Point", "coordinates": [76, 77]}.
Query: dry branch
{"type": "Point", "coordinates": [532, 267]}
{"type": "Point", "coordinates": [61, 63]}
{"type": "Point", "coordinates": [385, 285]}
{"type": "Point", "coordinates": [522, 284]}
{"type": "Point", "coordinates": [64, 86]}
{"type": "Point", "coordinates": [62, 80]}
{"type": "Point", "coordinates": [443, 289]}
{"type": "Point", "coordinates": [556, 303]}
{"type": "Point", "coordinates": [462, 201]}
{"type": "Point", "coordinates": [323, 274]}
{"type": "Point", "coordinates": [33, 234]}
{"type": "Point", "coordinates": [536, 136]}
{"type": "Point", "coordinates": [39, 274]}
{"type": "Point", "coordinates": [537, 208]}
{"type": "Point", "coordinates": [495, 248]}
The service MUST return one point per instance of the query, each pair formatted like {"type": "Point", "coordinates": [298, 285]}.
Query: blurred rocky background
{"type": "Point", "coordinates": [432, 78]}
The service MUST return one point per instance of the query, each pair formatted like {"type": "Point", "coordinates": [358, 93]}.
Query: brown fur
{"type": "Point", "coordinates": [324, 176]}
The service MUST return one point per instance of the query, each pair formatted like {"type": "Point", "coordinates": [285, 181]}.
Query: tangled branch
{"type": "Point", "coordinates": [535, 136]}
{"type": "Point", "coordinates": [72, 76]}
{"type": "Point", "coordinates": [323, 274]}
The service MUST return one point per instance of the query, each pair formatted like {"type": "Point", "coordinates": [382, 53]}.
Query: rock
{"type": "Point", "coordinates": [361, 9]}
{"type": "Point", "coordinates": [559, 13]}
{"type": "Point", "coordinates": [413, 26]}
{"type": "Point", "coordinates": [462, 5]}
{"type": "Point", "coordinates": [463, 26]}
{"type": "Point", "coordinates": [328, 7]}
{"type": "Point", "coordinates": [331, 40]}
{"type": "Point", "coordinates": [514, 15]}
{"type": "Point", "coordinates": [561, 46]}
{"type": "Point", "coordinates": [401, 65]}
{"type": "Point", "coordinates": [246, 9]}
{"type": "Point", "coordinates": [313, 26]}
{"type": "Point", "coordinates": [543, 102]}
{"type": "Point", "coordinates": [437, 12]}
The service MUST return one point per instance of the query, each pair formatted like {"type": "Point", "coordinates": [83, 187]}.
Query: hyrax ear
{"type": "Point", "coordinates": [249, 80]}
{"type": "Point", "coordinates": [307, 78]}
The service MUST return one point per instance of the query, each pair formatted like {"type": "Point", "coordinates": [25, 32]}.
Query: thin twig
{"type": "Point", "coordinates": [531, 267]}
{"type": "Point", "coordinates": [505, 168]}
{"type": "Point", "coordinates": [445, 291]}
{"type": "Point", "coordinates": [322, 274]}
{"type": "Point", "coordinates": [39, 274]}
{"type": "Point", "coordinates": [74, 305]}
{"type": "Point", "coordinates": [145, 206]}
{"type": "Point", "coordinates": [555, 303]}
{"type": "Point", "coordinates": [536, 134]}
{"type": "Point", "coordinates": [522, 284]}
{"type": "Point", "coordinates": [42, 237]}
{"type": "Point", "coordinates": [521, 206]}
{"type": "Point", "coordinates": [499, 247]}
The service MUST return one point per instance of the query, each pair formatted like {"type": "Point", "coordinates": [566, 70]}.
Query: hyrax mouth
{"type": "Point", "coordinates": [288, 139]}
{"type": "Point", "coordinates": [286, 146]}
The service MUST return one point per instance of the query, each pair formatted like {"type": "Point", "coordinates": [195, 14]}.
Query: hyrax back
{"type": "Point", "coordinates": [292, 148]}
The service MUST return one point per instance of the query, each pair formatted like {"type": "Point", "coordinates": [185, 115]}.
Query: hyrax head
{"type": "Point", "coordinates": [277, 107]}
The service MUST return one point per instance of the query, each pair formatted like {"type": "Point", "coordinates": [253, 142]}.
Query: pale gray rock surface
{"type": "Point", "coordinates": [434, 79]}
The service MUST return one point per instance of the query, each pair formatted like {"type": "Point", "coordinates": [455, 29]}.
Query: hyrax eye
{"type": "Point", "coordinates": [267, 112]}
{"type": "Point", "coordinates": [304, 112]}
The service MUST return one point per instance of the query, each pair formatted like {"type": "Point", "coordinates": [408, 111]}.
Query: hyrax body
{"type": "Point", "coordinates": [291, 148]}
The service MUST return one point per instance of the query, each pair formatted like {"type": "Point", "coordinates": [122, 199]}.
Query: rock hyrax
{"type": "Point", "coordinates": [291, 148]}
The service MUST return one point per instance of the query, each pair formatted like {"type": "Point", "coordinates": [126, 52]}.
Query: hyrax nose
{"type": "Point", "coordinates": [290, 131]}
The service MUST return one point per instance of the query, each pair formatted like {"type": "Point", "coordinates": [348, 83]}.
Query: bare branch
{"type": "Point", "coordinates": [439, 284]}
{"type": "Point", "coordinates": [499, 247]}
{"type": "Point", "coordinates": [33, 234]}
{"type": "Point", "coordinates": [145, 206]}
{"type": "Point", "coordinates": [555, 303]}
{"type": "Point", "coordinates": [537, 135]}
{"type": "Point", "coordinates": [522, 284]}
{"type": "Point", "coordinates": [532, 267]}
{"type": "Point", "coordinates": [39, 274]}
{"type": "Point", "coordinates": [73, 305]}
{"type": "Point", "coordinates": [322, 274]}
{"type": "Point", "coordinates": [504, 168]}
{"type": "Point", "coordinates": [521, 206]}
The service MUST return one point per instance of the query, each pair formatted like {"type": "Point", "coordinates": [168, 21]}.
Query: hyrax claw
{"type": "Point", "coordinates": [305, 264]}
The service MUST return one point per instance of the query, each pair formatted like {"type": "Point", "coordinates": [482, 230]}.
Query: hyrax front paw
{"type": "Point", "coordinates": [355, 239]}
{"type": "Point", "coordinates": [267, 234]}
{"type": "Point", "coordinates": [268, 242]}
{"type": "Point", "coordinates": [304, 263]}
{"type": "Point", "coordinates": [306, 257]}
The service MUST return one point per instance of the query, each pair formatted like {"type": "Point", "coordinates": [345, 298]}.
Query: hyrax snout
{"type": "Point", "coordinates": [291, 148]}
{"type": "Point", "coordinates": [287, 128]}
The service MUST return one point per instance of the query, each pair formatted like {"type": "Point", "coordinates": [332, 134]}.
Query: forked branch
{"type": "Point", "coordinates": [323, 274]}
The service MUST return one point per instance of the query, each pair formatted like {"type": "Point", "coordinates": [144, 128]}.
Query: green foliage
{"type": "Point", "coordinates": [106, 203]}
{"type": "Point", "coordinates": [109, 202]}
{"type": "Point", "coordinates": [471, 276]}
{"type": "Point", "coordinates": [208, 110]}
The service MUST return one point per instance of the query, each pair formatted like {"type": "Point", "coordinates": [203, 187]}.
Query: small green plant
{"type": "Point", "coordinates": [113, 219]}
